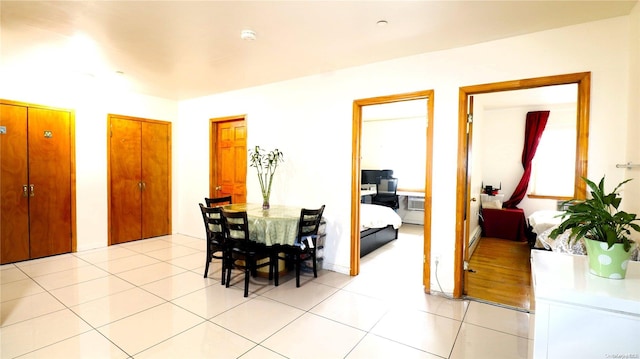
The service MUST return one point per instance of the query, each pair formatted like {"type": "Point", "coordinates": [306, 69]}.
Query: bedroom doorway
{"type": "Point", "coordinates": [427, 97]}
{"type": "Point", "coordinates": [469, 185]}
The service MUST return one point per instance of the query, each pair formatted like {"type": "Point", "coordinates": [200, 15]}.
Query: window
{"type": "Point", "coordinates": [553, 167]}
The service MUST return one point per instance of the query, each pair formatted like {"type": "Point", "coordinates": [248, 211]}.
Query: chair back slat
{"type": "Point", "coordinates": [217, 201]}
{"type": "Point", "coordinates": [309, 221]}
{"type": "Point", "coordinates": [212, 218]}
{"type": "Point", "coordinates": [236, 225]}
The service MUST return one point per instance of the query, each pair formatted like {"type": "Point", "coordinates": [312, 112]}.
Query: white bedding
{"type": "Point", "coordinates": [374, 216]}
{"type": "Point", "coordinates": [540, 221]}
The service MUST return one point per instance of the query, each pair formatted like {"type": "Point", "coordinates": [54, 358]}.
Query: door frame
{"type": "Point", "coordinates": [356, 174]}
{"type": "Point", "coordinates": [583, 80]}
{"type": "Point", "coordinates": [213, 135]}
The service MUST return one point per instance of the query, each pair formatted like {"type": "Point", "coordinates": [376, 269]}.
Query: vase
{"type": "Point", "coordinates": [265, 203]}
{"type": "Point", "coordinates": [607, 262]}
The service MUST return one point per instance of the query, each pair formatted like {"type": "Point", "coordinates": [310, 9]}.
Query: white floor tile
{"type": "Point", "coordinates": [116, 306]}
{"type": "Point", "coordinates": [178, 285]}
{"type": "Point", "coordinates": [145, 329]}
{"type": "Point", "coordinates": [483, 343]}
{"type": "Point", "coordinates": [90, 290]}
{"type": "Point", "coordinates": [258, 318]}
{"type": "Point", "coordinates": [352, 309]}
{"type": "Point", "coordinates": [70, 277]}
{"type": "Point", "coordinates": [11, 273]}
{"type": "Point", "coordinates": [19, 289]}
{"type": "Point", "coordinates": [304, 297]}
{"type": "Point", "coordinates": [29, 307]}
{"type": "Point", "coordinates": [500, 319]}
{"type": "Point", "coordinates": [425, 331]}
{"type": "Point", "coordinates": [150, 273]}
{"type": "Point", "coordinates": [373, 346]}
{"type": "Point", "coordinates": [211, 301]}
{"type": "Point", "coordinates": [300, 339]}
{"type": "Point", "coordinates": [206, 340]}
{"type": "Point", "coordinates": [36, 333]}
{"type": "Point", "coordinates": [127, 263]}
{"type": "Point", "coordinates": [86, 345]}
{"type": "Point", "coordinates": [173, 252]}
{"type": "Point", "coordinates": [49, 265]}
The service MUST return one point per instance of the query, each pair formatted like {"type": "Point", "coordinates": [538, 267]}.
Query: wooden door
{"type": "Point", "coordinates": [14, 202]}
{"type": "Point", "coordinates": [156, 155]}
{"type": "Point", "coordinates": [50, 182]}
{"type": "Point", "coordinates": [139, 178]}
{"type": "Point", "coordinates": [231, 160]}
{"type": "Point", "coordinates": [126, 182]}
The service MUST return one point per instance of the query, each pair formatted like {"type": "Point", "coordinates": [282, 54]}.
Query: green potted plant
{"type": "Point", "coordinates": [605, 229]}
{"type": "Point", "coordinates": [265, 164]}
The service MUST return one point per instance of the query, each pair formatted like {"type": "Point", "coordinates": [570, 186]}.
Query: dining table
{"type": "Point", "coordinates": [277, 225]}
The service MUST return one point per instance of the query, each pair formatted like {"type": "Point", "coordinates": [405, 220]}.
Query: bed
{"type": "Point", "coordinates": [378, 226]}
{"type": "Point", "coordinates": [539, 222]}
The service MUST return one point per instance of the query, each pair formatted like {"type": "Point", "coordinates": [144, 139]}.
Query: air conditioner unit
{"type": "Point", "coordinates": [415, 203]}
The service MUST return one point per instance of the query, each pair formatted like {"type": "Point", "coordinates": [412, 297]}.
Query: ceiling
{"type": "Point", "coordinates": [186, 49]}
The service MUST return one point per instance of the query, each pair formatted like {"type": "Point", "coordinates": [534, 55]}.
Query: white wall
{"type": "Point", "coordinates": [311, 117]}
{"type": "Point", "coordinates": [631, 194]}
{"type": "Point", "coordinates": [92, 103]}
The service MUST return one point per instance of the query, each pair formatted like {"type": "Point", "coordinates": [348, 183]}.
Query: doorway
{"type": "Point", "coordinates": [464, 198]}
{"type": "Point", "coordinates": [228, 158]}
{"type": "Point", "coordinates": [356, 176]}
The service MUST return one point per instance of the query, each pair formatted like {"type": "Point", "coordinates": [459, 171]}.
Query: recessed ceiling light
{"type": "Point", "coordinates": [382, 23]}
{"type": "Point", "coordinates": [248, 35]}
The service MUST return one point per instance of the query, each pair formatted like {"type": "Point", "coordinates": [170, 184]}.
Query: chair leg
{"type": "Point", "coordinates": [315, 269]}
{"type": "Point", "coordinates": [298, 263]}
{"type": "Point", "coordinates": [206, 265]}
{"type": "Point", "coordinates": [230, 266]}
{"type": "Point", "coordinates": [275, 263]}
{"type": "Point", "coordinates": [224, 270]}
{"type": "Point", "coordinates": [246, 282]}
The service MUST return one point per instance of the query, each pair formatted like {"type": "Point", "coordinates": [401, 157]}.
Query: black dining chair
{"type": "Point", "coordinates": [216, 246]}
{"type": "Point", "coordinates": [242, 252]}
{"type": "Point", "coordinates": [217, 201]}
{"type": "Point", "coordinates": [305, 245]}
{"type": "Point", "coordinates": [386, 195]}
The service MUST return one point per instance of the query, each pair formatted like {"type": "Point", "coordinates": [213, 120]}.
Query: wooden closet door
{"type": "Point", "coordinates": [14, 205]}
{"type": "Point", "coordinates": [126, 181]}
{"type": "Point", "coordinates": [156, 154]}
{"type": "Point", "coordinates": [50, 180]}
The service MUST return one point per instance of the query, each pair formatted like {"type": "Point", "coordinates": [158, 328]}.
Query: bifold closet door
{"type": "Point", "coordinates": [140, 179]}
{"type": "Point", "coordinates": [14, 203]}
{"type": "Point", "coordinates": [50, 182]}
{"type": "Point", "coordinates": [36, 217]}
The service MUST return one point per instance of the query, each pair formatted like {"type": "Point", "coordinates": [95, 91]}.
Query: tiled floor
{"type": "Point", "coordinates": [148, 299]}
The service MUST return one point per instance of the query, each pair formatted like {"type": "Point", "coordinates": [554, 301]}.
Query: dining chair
{"type": "Point", "coordinates": [242, 252]}
{"type": "Point", "coordinates": [217, 201]}
{"type": "Point", "coordinates": [386, 195]}
{"type": "Point", "coordinates": [305, 245]}
{"type": "Point", "coordinates": [216, 246]}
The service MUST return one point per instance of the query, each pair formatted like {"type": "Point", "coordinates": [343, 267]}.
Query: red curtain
{"type": "Point", "coordinates": [536, 122]}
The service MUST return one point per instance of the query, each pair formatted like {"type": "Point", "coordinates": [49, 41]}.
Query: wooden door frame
{"type": "Point", "coordinates": [356, 174]}
{"type": "Point", "coordinates": [213, 132]}
{"type": "Point", "coordinates": [583, 80]}
{"type": "Point", "coordinates": [72, 159]}
{"type": "Point", "coordinates": [170, 179]}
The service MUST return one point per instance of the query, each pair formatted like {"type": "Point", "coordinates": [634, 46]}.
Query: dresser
{"type": "Point", "coordinates": [580, 315]}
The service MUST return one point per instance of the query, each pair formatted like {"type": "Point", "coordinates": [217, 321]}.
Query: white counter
{"type": "Point", "coordinates": [580, 315]}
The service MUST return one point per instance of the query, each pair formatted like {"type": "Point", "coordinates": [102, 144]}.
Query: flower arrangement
{"type": "Point", "coordinates": [266, 164]}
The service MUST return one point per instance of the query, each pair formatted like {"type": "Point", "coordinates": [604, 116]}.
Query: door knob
{"type": "Point", "coordinates": [31, 190]}
{"type": "Point", "coordinates": [218, 188]}
{"type": "Point", "coordinates": [473, 199]}
{"type": "Point", "coordinates": [25, 190]}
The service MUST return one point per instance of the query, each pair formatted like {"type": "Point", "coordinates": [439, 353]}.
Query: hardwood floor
{"type": "Point", "coordinates": [500, 272]}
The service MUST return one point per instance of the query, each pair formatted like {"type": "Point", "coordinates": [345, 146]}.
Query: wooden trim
{"type": "Point", "coordinates": [213, 131]}
{"type": "Point", "coordinates": [583, 80]}
{"type": "Point", "coordinates": [539, 196]}
{"type": "Point", "coordinates": [72, 159]}
{"type": "Point", "coordinates": [355, 177]}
